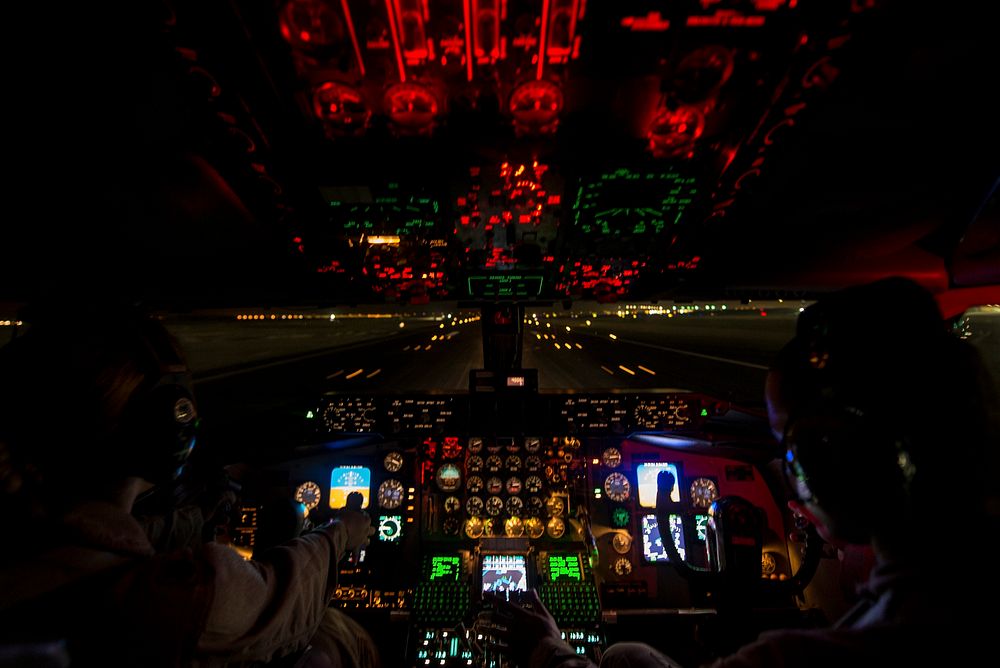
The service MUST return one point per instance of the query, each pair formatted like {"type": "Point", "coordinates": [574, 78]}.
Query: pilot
{"type": "Point", "coordinates": [877, 406]}
{"type": "Point", "coordinates": [97, 407]}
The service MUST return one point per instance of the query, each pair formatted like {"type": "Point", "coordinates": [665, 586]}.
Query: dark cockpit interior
{"type": "Point", "coordinates": [497, 264]}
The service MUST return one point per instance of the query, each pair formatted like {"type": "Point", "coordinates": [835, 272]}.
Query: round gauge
{"type": "Point", "coordinates": [534, 527]}
{"type": "Point", "coordinates": [451, 448]}
{"type": "Point", "coordinates": [703, 492]}
{"type": "Point", "coordinates": [532, 443]}
{"type": "Point", "coordinates": [389, 528]}
{"type": "Point", "coordinates": [514, 506]}
{"type": "Point", "coordinates": [513, 485]}
{"type": "Point", "coordinates": [535, 506]}
{"type": "Point", "coordinates": [474, 485]}
{"type": "Point", "coordinates": [494, 485]}
{"type": "Point", "coordinates": [535, 105]}
{"type": "Point", "coordinates": [411, 106]}
{"type": "Point", "coordinates": [513, 463]}
{"type": "Point", "coordinates": [342, 107]}
{"type": "Point", "coordinates": [493, 447]}
{"type": "Point", "coordinates": [452, 504]}
{"type": "Point", "coordinates": [621, 542]}
{"type": "Point", "coordinates": [494, 505]}
{"type": "Point", "coordinates": [390, 494]}
{"type": "Point", "coordinates": [556, 527]}
{"type": "Point", "coordinates": [475, 444]}
{"type": "Point", "coordinates": [611, 458]}
{"type": "Point", "coordinates": [451, 525]}
{"type": "Point", "coordinates": [474, 464]}
{"type": "Point", "coordinates": [393, 462]}
{"type": "Point", "coordinates": [308, 494]}
{"type": "Point", "coordinates": [570, 443]}
{"type": "Point", "coordinates": [448, 477]}
{"type": "Point", "coordinates": [768, 564]}
{"type": "Point", "coordinates": [619, 517]}
{"type": "Point", "coordinates": [513, 446]}
{"type": "Point", "coordinates": [474, 527]}
{"type": "Point", "coordinates": [533, 484]}
{"type": "Point", "coordinates": [622, 566]}
{"type": "Point", "coordinates": [489, 526]}
{"type": "Point", "coordinates": [533, 463]}
{"type": "Point", "coordinates": [555, 506]}
{"type": "Point", "coordinates": [494, 463]}
{"type": "Point", "coordinates": [474, 506]}
{"type": "Point", "coordinates": [617, 487]}
{"type": "Point", "coordinates": [513, 527]}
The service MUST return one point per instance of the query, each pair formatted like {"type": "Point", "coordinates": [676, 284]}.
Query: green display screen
{"type": "Point", "coordinates": [565, 568]}
{"type": "Point", "coordinates": [445, 568]}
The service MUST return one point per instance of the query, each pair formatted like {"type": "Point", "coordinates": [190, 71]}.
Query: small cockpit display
{"type": "Point", "coordinates": [565, 568]}
{"type": "Point", "coordinates": [646, 476]}
{"type": "Point", "coordinates": [652, 544]}
{"type": "Point", "coordinates": [347, 479]}
{"type": "Point", "coordinates": [444, 568]}
{"type": "Point", "coordinates": [390, 528]}
{"type": "Point", "coordinates": [504, 573]}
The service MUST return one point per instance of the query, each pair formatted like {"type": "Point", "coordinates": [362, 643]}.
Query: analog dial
{"type": "Point", "coordinates": [768, 564]}
{"type": "Point", "coordinates": [555, 506]}
{"type": "Point", "coordinates": [451, 448]}
{"type": "Point", "coordinates": [556, 528]}
{"type": "Point", "coordinates": [513, 527]}
{"type": "Point", "coordinates": [534, 527]}
{"type": "Point", "coordinates": [452, 504]}
{"type": "Point", "coordinates": [390, 494]}
{"type": "Point", "coordinates": [621, 543]}
{"type": "Point", "coordinates": [612, 458]}
{"type": "Point", "coordinates": [475, 444]}
{"type": "Point", "coordinates": [535, 506]}
{"type": "Point", "coordinates": [474, 464]}
{"type": "Point", "coordinates": [532, 443]}
{"type": "Point", "coordinates": [494, 505]}
{"type": "Point", "coordinates": [451, 525]}
{"type": "Point", "coordinates": [622, 566]}
{"type": "Point", "coordinates": [494, 485]}
{"type": "Point", "coordinates": [703, 492]}
{"type": "Point", "coordinates": [474, 506]}
{"type": "Point", "coordinates": [494, 463]}
{"type": "Point", "coordinates": [308, 494]}
{"type": "Point", "coordinates": [474, 485]}
{"type": "Point", "coordinates": [533, 484]}
{"type": "Point", "coordinates": [514, 506]}
{"type": "Point", "coordinates": [474, 527]}
{"type": "Point", "coordinates": [513, 463]}
{"type": "Point", "coordinates": [513, 485]}
{"type": "Point", "coordinates": [617, 487]}
{"type": "Point", "coordinates": [533, 463]}
{"type": "Point", "coordinates": [393, 462]}
{"type": "Point", "coordinates": [448, 477]}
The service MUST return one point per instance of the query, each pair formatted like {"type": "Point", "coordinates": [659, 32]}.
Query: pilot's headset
{"type": "Point", "coordinates": [98, 391]}
{"type": "Point", "coordinates": [848, 461]}
{"type": "Point", "coordinates": [848, 447]}
{"type": "Point", "coordinates": [157, 430]}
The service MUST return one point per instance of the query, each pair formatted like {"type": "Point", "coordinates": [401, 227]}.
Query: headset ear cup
{"type": "Point", "coordinates": [850, 462]}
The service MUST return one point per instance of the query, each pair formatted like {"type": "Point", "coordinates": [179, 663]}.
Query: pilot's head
{"type": "Point", "coordinates": [93, 396]}
{"type": "Point", "coordinates": [874, 399]}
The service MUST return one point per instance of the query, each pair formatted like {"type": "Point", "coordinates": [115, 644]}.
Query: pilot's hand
{"type": "Point", "coordinates": [357, 522]}
{"type": "Point", "coordinates": [520, 624]}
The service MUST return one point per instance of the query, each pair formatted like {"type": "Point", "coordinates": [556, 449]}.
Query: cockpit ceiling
{"type": "Point", "coordinates": [384, 149]}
